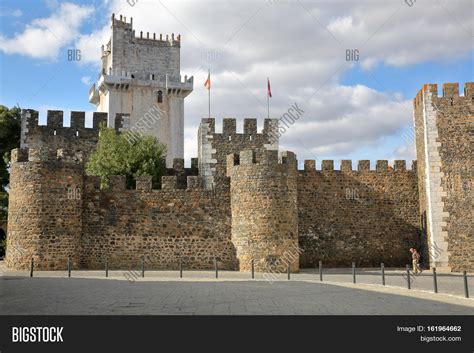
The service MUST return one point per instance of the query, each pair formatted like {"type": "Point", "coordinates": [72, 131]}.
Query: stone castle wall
{"type": "Point", "coordinates": [45, 209]}
{"type": "Point", "coordinates": [213, 147]}
{"type": "Point", "coordinates": [366, 216]}
{"type": "Point", "coordinates": [161, 225]}
{"type": "Point", "coordinates": [264, 210]}
{"type": "Point", "coordinates": [239, 201]}
{"type": "Point", "coordinates": [57, 213]}
{"type": "Point", "coordinates": [444, 130]}
{"type": "Point", "coordinates": [55, 135]}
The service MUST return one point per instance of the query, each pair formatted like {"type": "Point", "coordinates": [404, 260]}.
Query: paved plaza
{"type": "Point", "coordinates": [233, 293]}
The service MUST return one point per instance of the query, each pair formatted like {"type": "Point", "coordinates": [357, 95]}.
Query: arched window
{"type": "Point", "coordinates": [159, 97]}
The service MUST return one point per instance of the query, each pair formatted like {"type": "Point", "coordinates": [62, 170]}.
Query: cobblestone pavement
{"type": "Point", "coordinates": [199, 292]}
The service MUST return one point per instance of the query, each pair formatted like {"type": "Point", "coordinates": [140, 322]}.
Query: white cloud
{"type": "Point", "coordinates": [303, 50]}
{"type": "Point", "coordinates": [45, 37]}
{"type": "Point", "coordinates": [17, 13]}
{"type": "Point", "coordinates": [6, 12]}
{"type": "Point", "coordinates": [86, 80]}
{"type": "Point", "coordinates": [89, 45]}
{"type": "Point", "coordinates": [407, 152]}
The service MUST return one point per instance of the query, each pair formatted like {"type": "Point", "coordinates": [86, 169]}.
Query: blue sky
{"type": "Point", "coordinates": [359, 113]}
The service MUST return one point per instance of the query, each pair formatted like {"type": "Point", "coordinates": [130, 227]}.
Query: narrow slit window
{"type": "Point", "coordinates": [159, 97]}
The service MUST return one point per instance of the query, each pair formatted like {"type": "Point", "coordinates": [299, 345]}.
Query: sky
{"type": "Point", "coordinates": [353, 67]}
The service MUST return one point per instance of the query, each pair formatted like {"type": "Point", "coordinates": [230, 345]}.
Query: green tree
{"type": "Point", "coordinates": [116, 155]}
{"type": "Point", "coordinates": [10, 128]}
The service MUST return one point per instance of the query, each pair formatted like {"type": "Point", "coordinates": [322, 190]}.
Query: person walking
{"type": "Point", "coordinates": [415, 257]}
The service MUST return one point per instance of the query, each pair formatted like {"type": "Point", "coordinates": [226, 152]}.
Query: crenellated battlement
{"type": "Point", "coordinates": [168, 40]}
{"type": "Point", "coordinates": [214, 147]}
{"type": "Point", "coordinates": [54, 135]}
{"type": "Point", "coordinates": [363, 166]}
{"type": "Point", "coordinates": [44, 154]}
{"type": "Point", "coordinates": [55, 120]}
{"type": "Point", "coordinates": [261, 157]}
{"type": "Point", "coordinates": [143, 184]}
{"type": "Point", "coordinates": [450, 92]}
{"type": "Point", "coordinates": [240, 200]}
{"type": "Point", "coordinates": [229, 127]}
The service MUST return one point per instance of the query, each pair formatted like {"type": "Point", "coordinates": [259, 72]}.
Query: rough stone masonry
{"type": "Point", "coordinates": [241, 202]}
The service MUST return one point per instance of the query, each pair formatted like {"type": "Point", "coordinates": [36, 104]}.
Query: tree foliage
{"type": "Point", "coordinates": [115, 155]}
{"type": "Point", "coordinates": [10, 128]}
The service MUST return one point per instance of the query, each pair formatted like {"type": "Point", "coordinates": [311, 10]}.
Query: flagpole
{"type": "Point", "coordinates": [209, 93]}
{"type": "Point", "coordinates": [268, 101]}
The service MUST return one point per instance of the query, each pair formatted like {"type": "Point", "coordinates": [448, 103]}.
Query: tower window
{"type": "Point", "coordinates": [159, 97]}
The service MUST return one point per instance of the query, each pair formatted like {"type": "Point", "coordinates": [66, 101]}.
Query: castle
{"type": "Point", "coordinates": [139, 73]}
{"type": "Point", "coordinates": [242, 201]}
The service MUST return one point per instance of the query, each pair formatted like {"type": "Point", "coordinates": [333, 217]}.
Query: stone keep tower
{"type": "Point", "coordinates": [140, 76]}
{"type": "Point", "coordinates": [264, 209]}
{"type": "Point", "coordinates": [45, 208]}
{"type": "Point", "coordinates": [444, 148]}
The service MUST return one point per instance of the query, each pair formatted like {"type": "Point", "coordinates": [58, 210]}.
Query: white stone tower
{"type": "Point", "coordinates": [139, 73]}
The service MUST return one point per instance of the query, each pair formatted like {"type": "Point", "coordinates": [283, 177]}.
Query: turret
{"type": "Point", "coordinates": [443, 130]}
{"type": "Point", "coordinates": [264, 209]}
{"type": "Point", "coordinates": [45, 205]}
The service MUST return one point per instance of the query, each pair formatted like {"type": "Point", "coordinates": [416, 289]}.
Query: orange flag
{"type": "Point", "coordinates": [207, 84]}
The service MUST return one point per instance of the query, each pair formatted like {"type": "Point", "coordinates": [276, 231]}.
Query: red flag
{"type": "Point", "coordinates": [269, 88]}
{"type": "Point", "coordinates": [207, 84]}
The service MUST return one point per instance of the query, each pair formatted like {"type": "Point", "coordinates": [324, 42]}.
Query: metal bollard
{"type": "Point", "coordinates": [106, 268]}
{"type": "Point", "coordinates": [466, 288]}
{"type": "Point", "coordinates": [288, 270]}
{"type": "Point", "coordinates": [143, 266]}
{"type": "Point", "coordinates": [353, 272]}
{"type": "Point", "coordinates": [382, 267]}
{"type": "Point", "coordinates": [435, 281]}
{"type": "Point", "coordinates": [32, 267]}
{"type": "Point", "coordinates": [69, 267]}
{"type": "Point", "coordinates": [253, 269]}
{"type": "Point", "coordinates": [408, 277]}
{"type": "Point", "coordinates": [216, 268]}
{"type": "Point", "coordinates": [180, 268]}
{"type": "Point", "coordinates": [321, 271]}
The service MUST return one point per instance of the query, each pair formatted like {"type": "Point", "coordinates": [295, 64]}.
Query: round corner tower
{"type": "Point", "coordinates": [264, 210]}
{"type": "Point", "coordinates": [45, 208]}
